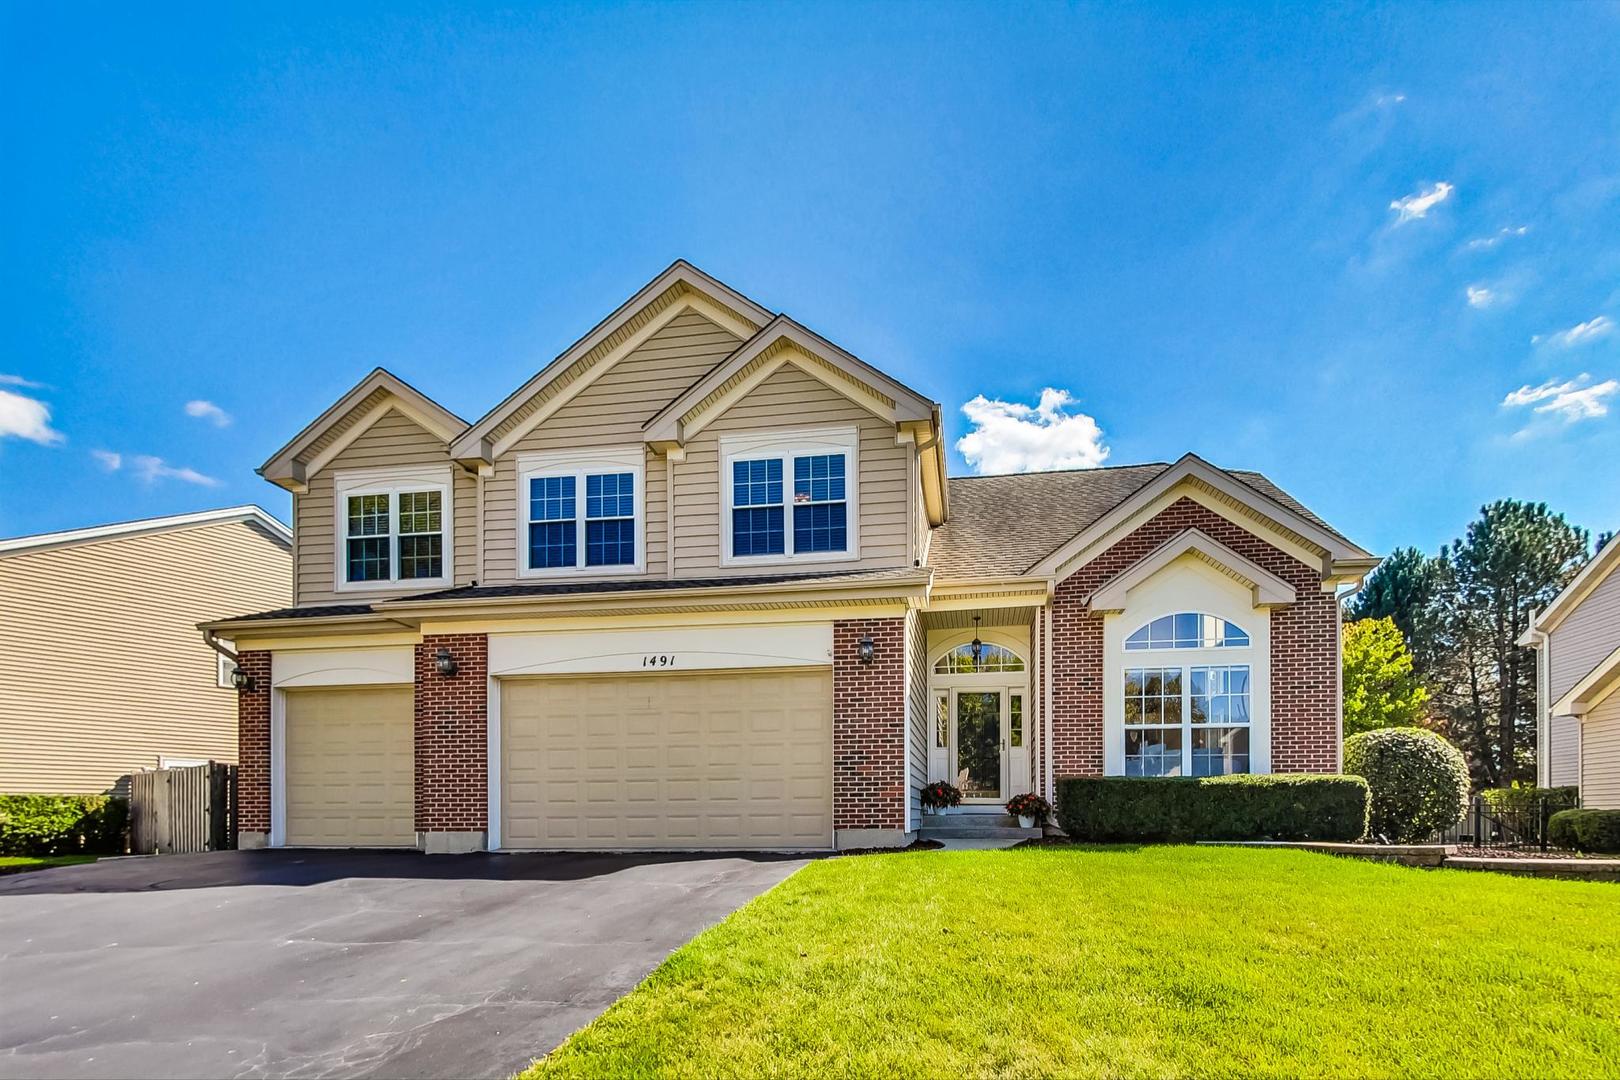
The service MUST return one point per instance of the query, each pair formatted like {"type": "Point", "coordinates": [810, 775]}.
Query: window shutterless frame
{"type": "Point", "coordinates": [789, 497]}
{"type": "Point", "coordinates": [396, 512]}
{"type": "Point", "coordinates": [588, 522]}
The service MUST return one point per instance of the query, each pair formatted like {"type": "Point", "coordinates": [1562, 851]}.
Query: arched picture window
{"type": "Point", "coordinates": [959, 661]}
{"type": "Point", "coordinates": [1188, 630]}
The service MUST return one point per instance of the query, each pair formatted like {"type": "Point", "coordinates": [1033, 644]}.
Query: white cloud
{"type": "Point", "coordinates": [1579, 334]}
{"type": "Point", "coordinates": [110, 461]}
{"type": "Point", "coordinates": [1481, 297]}
{"type": "Point", "coordinates": [1011, 437]}
{"type": "Point", "coordinates": [1569, 401]}
{"type": "Point", "coordinates": [1384, 101]}
{"type": "Point", "coordinates": [1485, 243]}
{"type": "Point", "coordinates": [18, 380]}
{"type": "Point", "coordinates": [26, 418]}
{"type": "Point", "coordinates": [149, 470]}
{"type": "Point", "coordinates": [1412, 207]}
{"type": "Point", "coordinates": [207, 410]}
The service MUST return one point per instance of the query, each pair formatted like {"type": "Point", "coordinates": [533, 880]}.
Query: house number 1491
{"type": "Point", "coordinates": [658, 660]}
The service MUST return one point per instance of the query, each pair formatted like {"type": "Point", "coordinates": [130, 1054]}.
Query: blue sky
{"type": "Point", "coordinates": [1374, 253]}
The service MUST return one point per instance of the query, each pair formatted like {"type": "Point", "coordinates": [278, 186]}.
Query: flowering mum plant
{"type": "Point", "coordinates": [1031, 805]}
{"type": "Point", "coordinates": [939, 795]}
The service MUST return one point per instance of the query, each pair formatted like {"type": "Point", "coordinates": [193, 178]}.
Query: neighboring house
{"type": "Point", "coordinates": [102, 670]}
{"type": "Point", "coordinates": [1577, 643]}
{"type": "Point", "coordinates": [702, 583]}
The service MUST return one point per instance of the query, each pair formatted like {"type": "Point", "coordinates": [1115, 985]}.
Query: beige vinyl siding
{"type": "Point", "coordinates": [790, 398]}
{"type": "Point", "coordinates": [1563, 751]}
{"type": "Point", "coordinates": [102, 667]}
{"type": "Point", "coordinates": [1587, 635]}
{"type": "Point", "coordinates": [395, 439]}
{"type": "Point", "coordinates": [919, 706]}
{"type": "Point", "coordinates": [610, 412]}
{"type": "Point", "coordinates": [1600, 755]}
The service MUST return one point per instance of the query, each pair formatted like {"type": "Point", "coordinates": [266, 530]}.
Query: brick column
{"type": "Point", "coordinates": [253, 753]}
{"type": "Point", "coordinates": [869, 729]}
{"type": "Point", "coordinates": [452, 744]}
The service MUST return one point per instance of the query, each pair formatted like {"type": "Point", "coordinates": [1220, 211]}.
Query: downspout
{"type": "Point", "coordinates": [1046, 677]}
{"type": "Point", "coordinates": [212, 641]}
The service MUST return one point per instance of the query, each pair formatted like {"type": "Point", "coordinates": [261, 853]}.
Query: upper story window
{"type": "Point", "coordinates": [789, 496]}
{"type": "Point", "coordinates": [581, 512]}
{"type": "Point", "coordinates": [1187, 630]}
{"type": "Point", "coordinates": [392, 528]}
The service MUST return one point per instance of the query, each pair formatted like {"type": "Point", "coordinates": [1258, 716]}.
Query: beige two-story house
{"type": "Point", "coordinates": [703, 582]}
{"type": "Point", "coordinates": [102, 670]}
{"type": "Point", "coordinates": [1577, 643]}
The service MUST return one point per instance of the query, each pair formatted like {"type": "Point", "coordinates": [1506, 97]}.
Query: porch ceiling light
{"type": "Point", "coordinates": [241, 679]}
{"type": "Point", "coordinates": [445, 662]}
{"type": "Point", "coordinates": [976, 646]}
{"type": "Point", "coordinates": [868, 649]}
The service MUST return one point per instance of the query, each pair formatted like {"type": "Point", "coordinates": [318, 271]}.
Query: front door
{"type": "Point", "coordinates": [980, 741]}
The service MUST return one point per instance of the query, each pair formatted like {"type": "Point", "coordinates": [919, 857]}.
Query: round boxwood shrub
{"type": "Point", "coordinates": [1585, 830]}
{"type": "Point", "coordinates": [1419, 782]}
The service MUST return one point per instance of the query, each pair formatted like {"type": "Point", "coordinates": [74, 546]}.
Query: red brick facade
{"type": "Point", "coordinates": [253, 745]}
{"type": "Point", "coordinates": [869, 726]}
{"type": "Point", "coordinates": [1304, 650]}
{"type": "Point", "coordinates": [452, 735]}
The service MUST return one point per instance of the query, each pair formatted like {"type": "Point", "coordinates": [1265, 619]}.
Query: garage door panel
{"type": "Point", "coordinates": [733, 760]}
{"type": "Point", "coordinates": [349, 768]}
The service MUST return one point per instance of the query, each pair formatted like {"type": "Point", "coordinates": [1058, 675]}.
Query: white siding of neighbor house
{"type": "Point", "coordinates": [1600, 755]}
{"type": "Point", "coordinates": [1564, 751]}
{"type": "Point", "coordinates": [1587, 635]}
{"type": "Point", "coordinates": [395, 439]}
{"type": "Point", "coordinates": [102, 667]}
{"type": "Point", "coordinates": [790, 398]}
{"type": "Point", "coordinates": [609, 413]}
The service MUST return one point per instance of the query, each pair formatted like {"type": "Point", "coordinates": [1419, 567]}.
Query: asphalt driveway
{"type": "Point", "coordinates": [338, 963]}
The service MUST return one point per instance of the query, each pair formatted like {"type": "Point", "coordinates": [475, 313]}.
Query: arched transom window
{"type": "Point", "coordinates": [959, 661]}
{"type": "Point", "coordinates": [1188, 630]}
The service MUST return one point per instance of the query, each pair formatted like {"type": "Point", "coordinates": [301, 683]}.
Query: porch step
{"type": "Point", "coordinates": [971, 826]}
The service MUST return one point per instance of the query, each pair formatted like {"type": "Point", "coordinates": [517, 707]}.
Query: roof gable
{"type": "Point", "coordinates": [784, 341]}
{"type": "Point", "coordinates": [1268, 589]}
{"type": "Point", "coordinates": [367, 402]}
{"type": "Point", "coordinates": [679, 289]}
{"type": "Point", "coordinates": [247, 514]}
{"type": "Point", "coordinates": [1593, 574]}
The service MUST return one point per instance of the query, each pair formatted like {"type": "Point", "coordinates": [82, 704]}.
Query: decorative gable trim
{"type": "Point", "coordinates": [784, 341]}
{"type": "Point", "coordinates": [347, 419]}
{"type": "Point", "coordinates": [1269, 590]}
{"type": "Point", "coordinates": [1592, 575]}
{"type": "Point", "coordinates": [682, 287]}
{"type": "Point", "coordinates": [1340, 560]}
{"type": "Point", "coordinates": [1593, 689]}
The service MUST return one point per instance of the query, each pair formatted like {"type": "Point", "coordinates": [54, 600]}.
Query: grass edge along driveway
{"type": "Point", "coordinates": [21, 864]}
{"type": "Point", "coordinates": [1130, 961]}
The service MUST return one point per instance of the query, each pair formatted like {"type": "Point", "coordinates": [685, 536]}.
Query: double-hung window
{"type": "Point", "coordinates": [392, 529]}
{"type": "Point", "coordinates": [789, 496]}
{"type": "Point", "coordinates": [1192, 717]}
{"type": "Point", "coordinates": [581, 513]}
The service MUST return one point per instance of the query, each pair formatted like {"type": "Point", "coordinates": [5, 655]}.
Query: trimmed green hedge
{"type": "Point", "coordinates": [1277, 807]}
{"type": "Point", "coordinates": [1526, 800]}
{"type": "Point", "coordinates": [1586, 830]}
{"type": "Point", "coordinates": [62, 824]}
{"type": "Point", "coordinates": [1419, 782]}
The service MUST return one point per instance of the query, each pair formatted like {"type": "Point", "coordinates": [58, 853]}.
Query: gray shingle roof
{"type": "Point", "coordinates": [1001, 526]}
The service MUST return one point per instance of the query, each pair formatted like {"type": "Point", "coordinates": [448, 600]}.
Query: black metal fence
{"type": "Point", "coordinates": [1522, 826]}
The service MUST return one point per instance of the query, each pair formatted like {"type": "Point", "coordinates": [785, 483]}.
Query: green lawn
{"type": "Point", "coordinates": [18, 864]}
{"type": "Point", "coordinates": [1159, 961]}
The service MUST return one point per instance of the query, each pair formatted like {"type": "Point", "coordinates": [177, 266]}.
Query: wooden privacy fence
{"type": "Point", "coordinates": [181, 811]}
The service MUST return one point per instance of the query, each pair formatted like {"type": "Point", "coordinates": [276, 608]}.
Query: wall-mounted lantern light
{"type": "Point", "coordinates": [241, 679]}
{"type": "Point", "coordinates": [868, 650]}
{"type": "Point", "coordinates": [445, 662]}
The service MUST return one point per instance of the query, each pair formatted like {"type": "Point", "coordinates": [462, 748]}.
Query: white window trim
{"type": "Point", "coordinates": [1169, 594]}
{"type": "Point", "coordinates": [391, 482]}
{"type": "Point", "coordinates": [788, 445]}
{"type": "Point", "coordinates": [1184, 661]}
{"type": "Point", "coordinates": [579, 463]}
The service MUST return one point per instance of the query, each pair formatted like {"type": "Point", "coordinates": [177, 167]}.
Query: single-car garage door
{"type": "Point", "coordinates": [350, 768]}
{"type": "Point", "coordinates": [721, 760]}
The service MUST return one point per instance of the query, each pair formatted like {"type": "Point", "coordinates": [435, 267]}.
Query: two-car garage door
{"type": "Point", "coordinates": [716, 760]}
